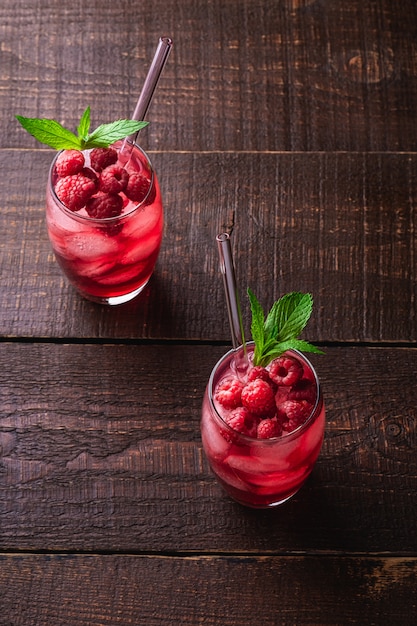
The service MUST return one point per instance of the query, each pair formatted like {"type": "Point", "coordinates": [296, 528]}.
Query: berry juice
{"type": "Point", "coordinates": [108, 241]}
{"type": "Point", "coordinates": [262, 456]}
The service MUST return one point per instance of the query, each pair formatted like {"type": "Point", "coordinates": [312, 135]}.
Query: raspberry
{"type": "Point", "coordinates": [74, 191]}
{"type": "Point", "coordinates": [259, 372]}
{"type": "Point", "coordinates": [239, 419]}
{"type": "Point", "coordinates": [101, 158]}
{"type": "Point", "coordinates": [258, 398]}
{"type": "Point", "coordinates": [104, 205]}
{"type": "Point", "coordinates": [293, 413]}
{"type": "Point", "coordinates": [228, 393]}
{"type": "Point", "coordinates": [268, 428]}
{"type": "Point", "coordinates": [303, 390]}
{"type": "Point", "coordinates": [113, 179]}
{"type": "Point", "coordinates": [69, 162]}
{"type": "Point", "coordinates": [138, 187]}
{"type": "Point", "coordinates": [285, 370]}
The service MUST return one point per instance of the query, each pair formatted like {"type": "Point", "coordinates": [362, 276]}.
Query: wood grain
{"type": "Point", "coordinates": [156, 590]}
{"type": "Point", "coordinates": [100, 450]}
{"type": "Point", "coordinates": [293, 126]}
{"type": "Point", "coordinates": [289, 75]}
{"type": "Point", "coordinates": [338, 225]}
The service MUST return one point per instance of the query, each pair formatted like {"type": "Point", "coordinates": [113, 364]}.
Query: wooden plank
{"type": "Point", "coordinates": [289, 75]}
{"type": "Point", "coordinates": [100, 450]}
{"type": "Point", "coordinates": [83, 590]}
{"type": "Point", "coordinates": [340, 226]}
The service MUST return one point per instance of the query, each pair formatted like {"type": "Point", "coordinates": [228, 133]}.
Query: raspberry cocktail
{"type": "Point", "coordinates": [262, 429]}
{"type": "Point", "coordinates": [105, 220]}
{"type": "Point", "coordinates": [103, 206]}
{"type": "Point", "coordinates": [262, 421]}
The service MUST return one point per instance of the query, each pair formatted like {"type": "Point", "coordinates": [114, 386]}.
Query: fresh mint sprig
{"type": "Point", "coordinates": [283, 324]}
{"type": "Point", "coordinates": [54, 135]}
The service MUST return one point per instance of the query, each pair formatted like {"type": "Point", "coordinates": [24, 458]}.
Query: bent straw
{"type": "Point", "coordinates": [232, 298]}
{"type": "Point", "coordinates": [151, 81]}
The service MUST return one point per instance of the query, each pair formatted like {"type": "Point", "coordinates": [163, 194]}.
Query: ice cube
{"type": "Point", "coordinates": [141, 250]}
{"type": "Point", "coordinates": [229, 477]}
{"type": "Point", "coordinates": [217, 446]}
{"type": "Point", "coordinates": [121, 275]}
{"type": "Point", "coordinates": [143, 222]}
{"type": "Point", "coordinates": [245, 464]}
{"type": "Point", "coordinates": [91, 245]}
{"type": "Point", "coordinates": [283, 482]}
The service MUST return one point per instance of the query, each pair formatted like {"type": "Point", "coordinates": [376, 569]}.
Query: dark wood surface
{"type": "Point", "coordinates": [292, 125]}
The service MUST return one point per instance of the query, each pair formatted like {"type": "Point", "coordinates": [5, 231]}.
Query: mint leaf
{"type": "Point", "coordinates": [84, 125]}
{"type": "Point", "coordinates": [292, 344]}
{"type": "Point", "coordinates": [302, 346]}
{"type": "Point", "coordinates": [284, 323]}
{"type": "Point", "coordinates": [257, 326]}
{"type": "Point", "coordinates": [107, 134]}
{"type": "Point", "coordinates": [53, 134]}
{"type": "Point", "coordinates": [292, 314]}
{"type": "Point", "coordinates": [50, 132]}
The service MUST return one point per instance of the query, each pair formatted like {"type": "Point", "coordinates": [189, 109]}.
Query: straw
{"type": "Point", "coordinates": [151, 81]}
{"type": "Point", "coordinates": [232, 298]}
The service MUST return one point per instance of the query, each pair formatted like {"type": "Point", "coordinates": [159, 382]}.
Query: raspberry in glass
{"type": "Point", "coordinates": [74, 191]}
{"type": "Point", "coordinates": [293, 413]}
{"type": "Point", "coordinates": [113, 179]}
{"type": "Point", "coordinates": [268, 428]}
{"type": "Point", "coordinates": [229, 392]}
{"type": "Point", "coordinates": [137, 187]}
{"type": "Point", "coordinates": [285, 370]}
{"type": "Point", "coordinates": [259, 372]}
{"type": "Point", "coordinates": [104, 205]}
{"type": "Point", "coordinates": [100, 158]}
{"type": "Point", "coordinates": [258, 397]}
{"type": "Point", "coordinates": [240, 420]}
{"type": "Point", "coordinates": [69, 162]}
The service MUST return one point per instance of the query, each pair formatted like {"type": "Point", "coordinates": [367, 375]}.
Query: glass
{"type": "Point", "coordinates": [109, 260]}
{"type": "Point", "coordinates": [261, 473]}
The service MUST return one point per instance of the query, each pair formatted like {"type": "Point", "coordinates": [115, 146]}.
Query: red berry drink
{"type": "Point", "coordinates": [262, 431]}
{"type": "Point", "coordinates": [105, 220]}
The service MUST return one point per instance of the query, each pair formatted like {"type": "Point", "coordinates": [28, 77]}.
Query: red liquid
{"type": "Point", "coordinates": [109, 260]}
{"type": "Point", "coordinates": [260, 473]}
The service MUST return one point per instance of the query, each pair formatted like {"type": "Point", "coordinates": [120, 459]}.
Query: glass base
{"type": "Point", "coordinates": [270, 505]}
{"type": "Point", "coordinates": [114, 300]}
{"type": "Point", "coordinates": [256, 502]}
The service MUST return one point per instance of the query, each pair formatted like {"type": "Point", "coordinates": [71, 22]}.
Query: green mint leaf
{"type": "Point", "coordinates": [257, 326]}
{"type": "Point", "coordinates": [292, 314]}
{"type": "Point", "coordinates": [50, 132]}
{"type": "Point", "coordinates": [107, 134]}
{"type": "Point", "coordinates": [84, 125]}
{"type": "Point", "coordinates": [280, 330]}
{"type": "Point", "coordinates": [304, 346]}
{"type": "Point", "coordinates": [53, 134]}
{"type": "Point", "coordinates": [278, 348]}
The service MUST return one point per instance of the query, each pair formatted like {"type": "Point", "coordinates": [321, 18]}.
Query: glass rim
{"type": "Point", "coordinates": [271, 440]}
{"type": "Point", "coordinates": [101, 220]}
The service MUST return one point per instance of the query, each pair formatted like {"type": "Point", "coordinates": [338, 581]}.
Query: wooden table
{"type": "Point", "coordinates": [292, 125]}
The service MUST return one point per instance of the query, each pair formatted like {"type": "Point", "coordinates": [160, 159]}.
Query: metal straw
{"type": "Point", "coordinates": [151, 81]}
{"type": "Point", "coordinates": [232, 298]}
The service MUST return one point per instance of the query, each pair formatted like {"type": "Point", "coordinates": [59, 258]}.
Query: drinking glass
{"type": "Point", "coordinates": [109, 260]}
{"type": "Point", "coordinates": [261, 473]}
